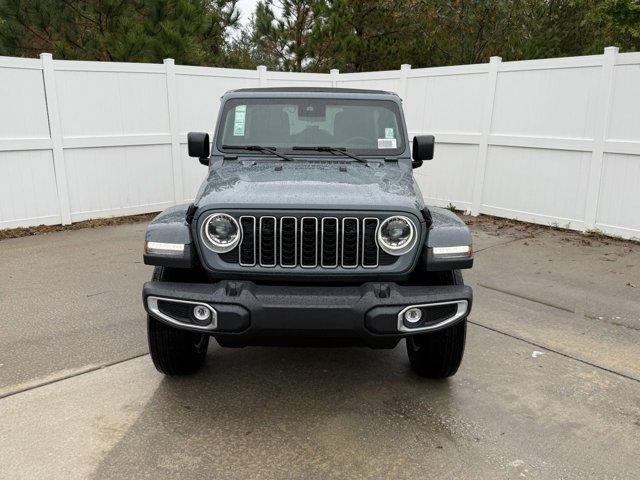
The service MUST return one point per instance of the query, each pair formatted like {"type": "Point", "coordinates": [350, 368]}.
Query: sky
{"type": "Point", "coordinates": [246, 7]}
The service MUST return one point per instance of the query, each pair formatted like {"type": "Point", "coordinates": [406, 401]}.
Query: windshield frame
{"type": "Point", "coordinates": [392, 105]}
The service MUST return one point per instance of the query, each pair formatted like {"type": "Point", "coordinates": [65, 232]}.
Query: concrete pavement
{"type": "Point", "coordinates": [549, 388]}
{"type": "Point", "coordinates": [70, 300]}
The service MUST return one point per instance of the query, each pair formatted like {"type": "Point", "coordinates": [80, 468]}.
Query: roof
{"type": "Point", "coordinates": [312, 90]}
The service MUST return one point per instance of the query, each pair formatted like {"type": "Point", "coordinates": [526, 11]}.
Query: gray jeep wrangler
{"type": "Point", "coordinates": [308, 230]}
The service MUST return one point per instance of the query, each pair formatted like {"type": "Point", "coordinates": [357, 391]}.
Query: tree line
{"type": "Point", "coordinates": [316, 35]}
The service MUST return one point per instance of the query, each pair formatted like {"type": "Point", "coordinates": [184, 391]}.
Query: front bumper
{"type": "Point", "coordinates": [246, 313]}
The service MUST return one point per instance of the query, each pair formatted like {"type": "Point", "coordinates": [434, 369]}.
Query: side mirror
{"type": "Point", "coordinates": [422, 149]}
{"type": "Point", "coordinates": [198, 143]}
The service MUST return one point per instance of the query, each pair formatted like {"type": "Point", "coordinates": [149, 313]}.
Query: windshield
{"type": "Point", "coordinates": [369, 127]}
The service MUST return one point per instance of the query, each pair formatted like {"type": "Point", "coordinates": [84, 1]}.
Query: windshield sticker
{"type": "Point", "coordinates": [387, 143]}
{"type": "Point", "coordinates": [238, 120]}
{"type": "Point", "coordinates": [388, 133]}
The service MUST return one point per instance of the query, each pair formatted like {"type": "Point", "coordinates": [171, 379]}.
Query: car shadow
{"type": "Point", "coordinates": [283, 412]}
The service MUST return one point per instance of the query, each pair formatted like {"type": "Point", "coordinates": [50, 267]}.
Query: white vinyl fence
{"type": "Point", "coordinates": [553, 141]}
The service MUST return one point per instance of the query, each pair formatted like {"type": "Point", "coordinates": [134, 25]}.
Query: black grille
{"type": "Point", "coordinates": [288, 241]}
{"type": "Point", "coordinates": [309, 242]}
{"type": "Point", "coordinates": [267, 241]}
{"type": "Point", "coordinates": [248, 245]}
{"type": "Point", "coordinates": [439, 312]}
{"type": "Point", "coordinates": [370, 252]}
{"type": "Point", "coordinates": [350, 230]}
{"type": "Point", "coordinates": [329, 238]}
{"type": "Point", "coordinates": [181, 311]}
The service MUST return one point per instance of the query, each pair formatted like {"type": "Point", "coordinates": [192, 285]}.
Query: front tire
{"type": "Point", "coordinates": [174, 351]}
{"type": "Point", "coordinates": [439, 354]}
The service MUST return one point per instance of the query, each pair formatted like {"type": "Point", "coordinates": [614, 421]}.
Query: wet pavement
{"type": "Point", "coordinates": [549, 387]}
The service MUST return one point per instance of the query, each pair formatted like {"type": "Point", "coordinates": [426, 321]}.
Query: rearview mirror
{"type": "Point", "coordinates": [198, 143]}
{"type": "Point", "coordinates": [422, 149]}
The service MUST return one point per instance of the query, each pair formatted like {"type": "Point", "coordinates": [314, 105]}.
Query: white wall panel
{"type": "Point", "coordinates": [451, 103]}
{"type": "Point", "coordinates": [23, 107]}
{"type": "Point", "coordinates": [516, 139]}
{"type": "Point", "coordinates": [199, 99]}
{"type": "Point", "coordinates": [193, 172]}
{"type": "Point", "coordinates": [386, 84]}
{"type": "Point", "coordinates": [624, 121]}
{"type": "Point", "coordinates": [298, 82]}
{"type": "Point", "coordinates": [556, 102]}
{"type": "Point", "coordinates": [619, 201]}
{"type": "Point", "coordinates": [296, 79]}
{"type": "Point", "coordinates": [111, 103]}
{"type": "Point", "coordinates": [448, 178]}
{"type": "Point", "coordinates": [27, 189]}
{"type": "Point", "coordinates": [118, 180]}
{"type": "Point", "coordinates": [538, 182]}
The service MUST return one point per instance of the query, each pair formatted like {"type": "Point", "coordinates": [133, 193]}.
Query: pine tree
{"type": "Point", "coordinates": [317, 35]}
{"type": "Point", "coordinates": [286, 32]}
{"type": "Point", "coordinates": [369, 34]}
{"type": "Point", "coordinates": [191, 31]}
{"type": "Point", "coordinates": [619, 22]}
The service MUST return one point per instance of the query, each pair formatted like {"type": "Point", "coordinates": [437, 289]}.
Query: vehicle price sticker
{"type": "Point", "coordinates": [387, 143]}
{"type": "Point", "coordinates": [238, 120]}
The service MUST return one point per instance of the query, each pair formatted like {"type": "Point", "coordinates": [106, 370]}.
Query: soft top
{"type": "Point", "coordinates": [311, 90]}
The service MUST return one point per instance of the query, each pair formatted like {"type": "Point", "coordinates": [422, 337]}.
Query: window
{"type": "Point", "coordinates": [371, 127]}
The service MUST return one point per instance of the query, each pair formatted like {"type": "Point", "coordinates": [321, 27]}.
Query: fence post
{"type": "Point", "coordinates": [55, 131]}
{"type": "Point", "coordinates": [172, 101]}
{"type": "Point", "coordinates": [334, 77]}
{"type": "Point", "coordinates": [602, 113]}
{"type": "Point", "coordinates": [483, 147]}
{"type": "Point", "coordinates": [404, 73]}
{"type": "Point", "coordinates": [262, 75]}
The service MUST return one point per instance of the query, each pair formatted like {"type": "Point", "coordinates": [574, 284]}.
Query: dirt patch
{"type": "Point", "coordinates": [98, 222]}
{"type": "Point", "coordinates": [501, 226]}
{"type": "Point", "coordinates": [517, 229]}
{"type": "Point", "coordinates": [484, 223]}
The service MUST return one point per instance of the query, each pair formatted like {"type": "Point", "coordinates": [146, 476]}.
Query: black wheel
{"type": "Point", "coordinates": [174, 351]}
{"type": "Point", "coordinates": [439, 354]}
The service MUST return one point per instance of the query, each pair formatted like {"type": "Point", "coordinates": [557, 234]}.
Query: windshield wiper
{"type": "Point", "coordinates": [343, 151]}
{"type": "Point", "coordinates": [258, 148]}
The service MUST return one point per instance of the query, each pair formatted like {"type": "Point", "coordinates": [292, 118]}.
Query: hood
{"type": "Point", "coordinates": [330, 185]}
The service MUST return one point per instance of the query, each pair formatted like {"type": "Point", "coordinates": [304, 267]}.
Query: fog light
{"type": "Point", "coordinates": [413, 315]}
{"type": "Point", "coordinates": [201, 313]}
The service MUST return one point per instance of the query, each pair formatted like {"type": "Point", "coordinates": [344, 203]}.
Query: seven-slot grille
{"type": "Point", "coordinates": [308, 242]}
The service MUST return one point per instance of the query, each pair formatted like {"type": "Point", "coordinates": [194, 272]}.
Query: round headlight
{"type": "Point", "coordinates": [222, 232]}
{"type": "Point", "coordinates": [397, 235]}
